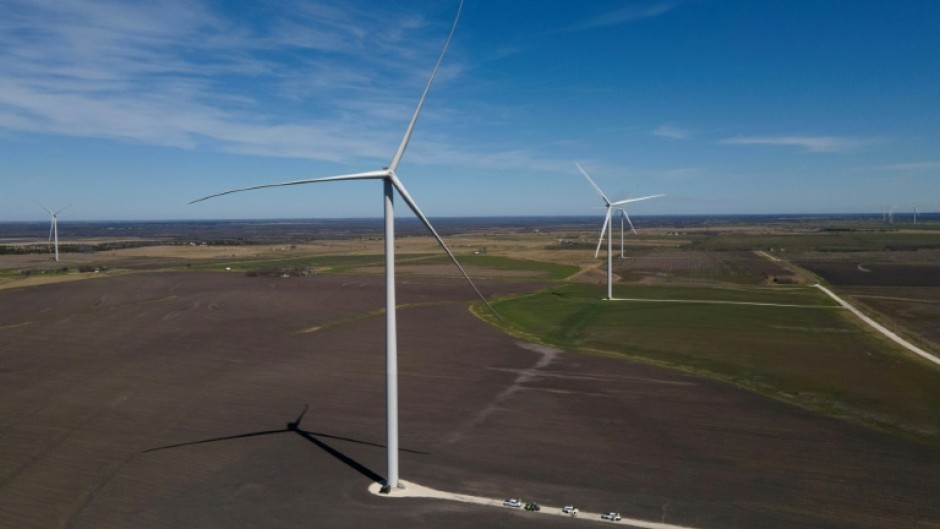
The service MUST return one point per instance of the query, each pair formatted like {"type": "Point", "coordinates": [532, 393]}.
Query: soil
{"type": "Point", "coordinates": [193, 400]}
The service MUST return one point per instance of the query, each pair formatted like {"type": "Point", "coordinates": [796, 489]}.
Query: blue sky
{"type": "Point", "coordinates": [128, 110]}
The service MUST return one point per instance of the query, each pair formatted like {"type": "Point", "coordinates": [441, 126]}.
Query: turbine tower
{"type": "Point", "coordinates": [391, 183]}
{"type": "Point", "coordinates": [54, 228]}
{"type": "Point", "coordinates": [915, 214]}
{"type": "Point", "coordinates": [607, 222]}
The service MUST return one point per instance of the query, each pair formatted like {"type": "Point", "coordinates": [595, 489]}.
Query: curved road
{"type": "Point", "coordinates": [413, 490]}
{"type": "Point", "coordinates": [874, 324]}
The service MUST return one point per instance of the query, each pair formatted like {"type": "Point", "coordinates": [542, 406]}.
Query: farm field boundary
{"type": "Point", "coordinates": [718, 302]}
{"type": "Point", "coordinates": [880, 328]}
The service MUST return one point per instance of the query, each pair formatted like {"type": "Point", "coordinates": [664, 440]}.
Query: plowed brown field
{"type": "Point", "coordinates": [163, 400]}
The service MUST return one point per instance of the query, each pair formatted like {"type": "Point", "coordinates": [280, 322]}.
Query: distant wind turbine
{"type": "Point", "coordinates": [54, 228]}
{"type": "Point", "coordinates": [607, 222]}
{"type": "Point", "coordinates": [391, 183]}
{"type": "Point", "coordinates": [625, 215]}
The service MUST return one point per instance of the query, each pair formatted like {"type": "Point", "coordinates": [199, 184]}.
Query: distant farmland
{"type": "Point", "coordinates": [846, 273]}
{"type": "Point", "coordinates": [745, 268]}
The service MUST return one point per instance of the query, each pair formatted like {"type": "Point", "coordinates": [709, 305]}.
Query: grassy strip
{"type": "Point", "coordinates": [544, 269]}
{"type": "Point", "coordinates": [366, 315]}
{"type": "Point", "coordinates": [335, 263]}
{"type": "Point", "coordinates": [341, 321]}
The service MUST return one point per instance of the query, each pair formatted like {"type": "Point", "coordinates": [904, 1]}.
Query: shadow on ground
{"type": "Point", "coordinates": [313, 437]}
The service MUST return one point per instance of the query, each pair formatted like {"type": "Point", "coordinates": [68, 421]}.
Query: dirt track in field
{"type": "Point", "coordinates": [165, 400]}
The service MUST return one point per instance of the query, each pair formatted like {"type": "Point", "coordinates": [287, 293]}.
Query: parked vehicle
{"type": "Point", "coordinates": [512, 502]}
{"type": "Point", "coordinates": [570, 509]}
{"type": "Point", "coordinates": [612, 516]}
{"type": "Point", "coordinates": [532, 506]}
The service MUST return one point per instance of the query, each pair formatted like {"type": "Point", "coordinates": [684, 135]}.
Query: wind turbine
{"type": "Point", "coordinates": [915, 214]}
{"type": "Point", "coordinates": [624, 215]}
{"type": "Point", "coordinates": [54, 227]}
{"type": "Point", "coordinates": [391, 184]}
{"type": "Point", "coordinates": [607, 222]}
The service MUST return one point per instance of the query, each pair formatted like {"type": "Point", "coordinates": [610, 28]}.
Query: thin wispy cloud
{"type": "Point", "coordinates": [671, 131]}
{"type": "Point", "coordinates": [807, 143]}
{"type": "Point", "coordinates": [913, 167]}
{"type": "Point", "coordinates": [629, 13]}
{"type": "Point", "coordinates": [543, 158]}
{"type": "Point", "coordinates": [296, 81]}
{"type": "Point", "coordinates": [683, 172]}
{"type": "Point", "coordinates": [325, 82]}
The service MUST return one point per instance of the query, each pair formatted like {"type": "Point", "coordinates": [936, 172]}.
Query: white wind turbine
{"type": "Point", "coordinates": [54, 227]}
{"type": "Point", "coordinates": [391, 183]}
{"type": "Point", "coordinates": [607, 222]}
{"type": "Point", "coordinates": [624, 215]}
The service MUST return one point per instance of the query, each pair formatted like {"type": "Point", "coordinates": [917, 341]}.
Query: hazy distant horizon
{"type": "Point", "coordinates": [900, 217]}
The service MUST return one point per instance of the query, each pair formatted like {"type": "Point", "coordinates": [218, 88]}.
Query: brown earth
{"type": "Point", "coordinates": [163, 400]}
{"type": "Point", "coordinates": [448, 270]}
{"type": "Point", "coordinates": [875, 274]}
{"type": "Point", "coordinates": [678, 266]}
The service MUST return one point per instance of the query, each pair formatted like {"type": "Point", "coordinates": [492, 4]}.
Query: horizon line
{"type": "Point", "coordinates": [534, 216]}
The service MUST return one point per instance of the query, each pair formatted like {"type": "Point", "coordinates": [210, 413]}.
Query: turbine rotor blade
{"type": "Point", "coordinates": [63, 209]}
{"type": "Point", "coordinates": [296, 424]}
{"type": "Point", "coordinates": [629, 200]}
{"type": "Point", "coordinates": [396, 159]}
{"type": "Point", "coordinates": [589, 179]}
{"type": "Point", "coordinates": [627, 216]}
{"type": "Point", "coordinates": [603, 231]}
{"type": "Point", "coordinates": [371, 175]}
{"type": "Point", "coordinates": [51, 227]}
{"type": "Point", "coordinates": [427, 224]}
{"type": "Point", "coordinates": [44, 207]}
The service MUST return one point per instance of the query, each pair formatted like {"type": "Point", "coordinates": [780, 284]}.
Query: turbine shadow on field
{"type": "Point", "coordinates": [313, 437]}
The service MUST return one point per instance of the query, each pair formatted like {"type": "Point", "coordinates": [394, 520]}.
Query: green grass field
{"type": "Point", "coordinates": [816, 357]}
